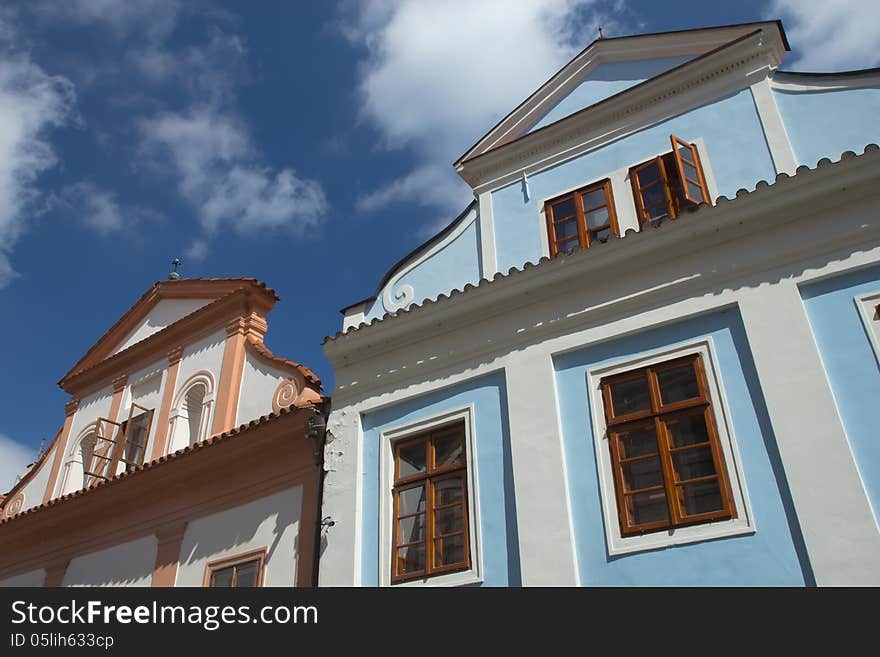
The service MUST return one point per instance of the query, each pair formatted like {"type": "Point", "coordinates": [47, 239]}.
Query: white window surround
{"type": "Point", "coordinates": [387, 439]}
{"type": "Point", "coordinates": [744, 523]}
{"type": "Point", "coordinates": [866, 304]}
{"type": "Point", "coordinates": [621, 190]}
{"type": "Point", "coordinates": [74, 467]}
{"type": "Point", "coordinates": [179, 414]}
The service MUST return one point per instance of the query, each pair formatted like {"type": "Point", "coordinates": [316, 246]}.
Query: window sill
{"type": "Point", "coordinates": [461, 578]}
{"type": "Point", "coordinates": [618, 545]}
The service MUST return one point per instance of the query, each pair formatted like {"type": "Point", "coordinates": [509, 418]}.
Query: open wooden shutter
{"type": "Point", "coordinates": [642, 184]}
{"type": "Point", "coordinates": [102, 461]}
{"type": "Point", "coordinates": [690, 172]}
{"type": "Point", "coordinates": [137, 429]}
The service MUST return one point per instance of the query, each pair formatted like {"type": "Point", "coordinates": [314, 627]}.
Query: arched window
{"type": "Point", "coordinates": [191, 416]}
{"type": "Point", "coordinates": [78, 459]}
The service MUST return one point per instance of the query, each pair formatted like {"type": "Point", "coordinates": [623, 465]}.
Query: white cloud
{"type": "Point", "coordinates": [830, 36]}
{"type": "Point", "coordinates": [99, 209]}
{"type": "Point", "coordinates": [196, 252]}
{"type": "Point", "coordinates": [221, 175]}
{"type": "Point", "coordinates": [153, 19]}
{"type": "Point", "coordinates": [14, 458]}
{"type": "Point", "coordinates": [31, 103]}
{"type": "Point", "coordinates": [438, 75]}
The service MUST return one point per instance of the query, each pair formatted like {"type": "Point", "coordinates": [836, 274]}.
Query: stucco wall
{"type": "Point", "coordinates": [164, 313]}
{"type": "Point", "coordinates": [30, 578]}
{"type": "Point", "coordinates": [851, 365]}
{"type": "Point", "coordinates": [258, 383]}
{"type": "Point", "coordinates": [271, 522]}
{"type": "Point", "coordinates": [128, 564]}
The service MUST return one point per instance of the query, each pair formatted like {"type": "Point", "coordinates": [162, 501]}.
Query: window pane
{"type": "Point", "coordinates": [653, 196]}
{"type": "Point", "coordinates": [647, 507]}
{"type": "Point", "coordinates": [648, 175]}
{"type": "Point", "coordinates": [678, 383]}
{"type": "Point", "coordinates": [447, 491]}
{"type": "Point", "coordinates": [412, 459]}
{"type": "Point", "coordinates": [448, 450]}
{"type": "Point", "coordinates": [630, 396]}
{"type": "Point", "coordinates": [594, 198]}
{"type": "Point", "coordinates": [657, 212]}
{"type": "Point", "coordinates": [410, 559]}
{"type": "Point", "coordinates": [702, 497]}
{"type": "Point", "coordinates": [693, 463]}
{"type": "Point", "coordinates": [412, 529]}
{"type": "Point", "coordinates": [597, 218]}
{"type": "Point", "coordinates": [563, 209]}
{"type": "Point", "coordinates": [246, 574]}
{"type": "Point", "coordinates": [687, 429]}
{"type": "Point", "coordinates": [449, 551]}
{"type": "Point", "coordinates": [569, 245]}
{"type": "Point", "coordinates": [637, 442]}
{"type": "Point", "coordinates": [222, 577]}
{"type": "Point", "coordinates": [412, 500]}
{"type": "Point", "coordinates": [690, 171]}
{"type": "Point", "coordinates": [566, 229]}
{"type": "Point", "coordinates": [694, 190]}
{"type": "Point", "coordinates": [642, 474]}
{"type": "Point", "coordinates": [449, 520]}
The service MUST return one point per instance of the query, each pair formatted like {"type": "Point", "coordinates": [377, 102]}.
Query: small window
{"type": "Point", "coordinates": [581, 217]}
{"type": "Point", "coordinates": [667, 462]}
{"type": "Point", "coordinates": [666, 184]}
{"type": "Point", "coordinates": [245, 570]}
{"type": "Point", "coordinates": [430, 534]}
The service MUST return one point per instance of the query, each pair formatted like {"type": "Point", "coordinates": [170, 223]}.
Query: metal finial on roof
{"type": "Point", "coordinates": [601, 33]}
{"type": "Point", "coordinates": [173, 276]}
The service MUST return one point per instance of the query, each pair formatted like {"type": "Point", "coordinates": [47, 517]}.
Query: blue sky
{"type": "Point", "coordinates": [308, 144]}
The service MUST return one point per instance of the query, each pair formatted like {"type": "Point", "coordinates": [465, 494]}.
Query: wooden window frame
{"type": "Point", "coordinates": [428, 479]}
{"type": "Point", "coordinates": [672, 177]}
{"type": "Point", "coordinates": [584, 238]}
{"type": "Point", "coordinates": [258, 554]}
{"type": "Point", "coordinates": [657, 415]}
{"type": "Point", "coordinates": [115, 452]}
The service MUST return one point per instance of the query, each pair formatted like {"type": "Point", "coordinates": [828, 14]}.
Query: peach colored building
{"type": "Point", "coordinates": [189, 455]}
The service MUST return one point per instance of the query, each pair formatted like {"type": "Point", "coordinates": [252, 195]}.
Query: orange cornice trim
{"type": "Point", "coordinates": [238, 303]}
{"type": "Point", "coordinates": [260, 349]}
{"type": "Point", "coordinates": [184, 288]}
{"type": "Point", "coordinates": [231, 372]}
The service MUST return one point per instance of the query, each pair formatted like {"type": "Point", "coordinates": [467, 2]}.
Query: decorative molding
{"type": "Point", "coordinates": [781, 151]}
{"type": "Point", "coordinates": [395, 299]}
{"type": "Point", "coordinates": [174, 355]}
{"type": "Point", "coordinates": [119, 383]}
{"type": "Point", "coordinates": [55, 571]}
{"type": "Point", "coordinates": [13, 506]}
{"type": "Point", "coordinates": [285, 395]}
{"type": "Point", "coordinates": [71, 406]}
{"type": "Point", "coordinates": [168, 541]}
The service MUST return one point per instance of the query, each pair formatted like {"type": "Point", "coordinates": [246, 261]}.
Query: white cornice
{"type": "Point", "coordinates": [767, 207]}
{"type": "Point", "coordinates": [650, 46]}
{"type": "Point", "coordinates": [691, 85]}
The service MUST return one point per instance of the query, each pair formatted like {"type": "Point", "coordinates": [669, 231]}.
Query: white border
{"type": "Point", "coordinates": [744, 523]}
{"type": "Point", "coordinates": [386, 482]}
{"type": "Point", "coordinates": [621, 191]}
{"type": "Point", "coordinates": [865, 304]}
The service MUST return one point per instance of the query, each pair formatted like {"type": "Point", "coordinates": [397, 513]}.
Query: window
{"type": "Point", "coordinates": [244, 570]}
{"type": "Point", "coordinates": [581, 217]}
{"type": "Point", "coordinates": [666, 184]}
{"type": "Point", "coordinates": [430, 529]}
{"type": "Point", "coordinates": [117, 442]}
{"type": "Point", "coordinates": [667, 461]}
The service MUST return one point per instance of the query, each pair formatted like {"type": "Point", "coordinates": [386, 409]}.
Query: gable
{"type": "Point", "coordinates": [603, 82]}
{"type": "Point", "coordinates": [164, 313]}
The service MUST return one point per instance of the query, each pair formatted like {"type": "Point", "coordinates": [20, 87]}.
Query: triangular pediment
{"type": "Point", "coordinates": [611, 66]}
{"type": "Point", "coordinates": [164, 304]}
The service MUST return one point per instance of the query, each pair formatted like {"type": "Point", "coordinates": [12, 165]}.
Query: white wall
{"type": "Point", "coordinates": [165, 313]}
{"type": "Point", "coordinates": [258, 383]}
{"type": "Point", "coordinates": [128, 564]}
{"type": "Point", "coordinates": [34, 489]}
{"type": "Point", "coordinates": [30, 578]}
{"type": "Point", "coordinates": [271, 522]}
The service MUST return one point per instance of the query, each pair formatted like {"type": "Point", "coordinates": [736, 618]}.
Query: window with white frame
{"type": "Point", "coordinates": [668, 464]}
{"type": "Point", "coordinates": [869, 311]}
{"type": "Point", "coordinates": [429, 504]}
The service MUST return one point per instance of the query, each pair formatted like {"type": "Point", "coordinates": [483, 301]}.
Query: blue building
{"type": "Point", "coordinates": [646, 354]}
